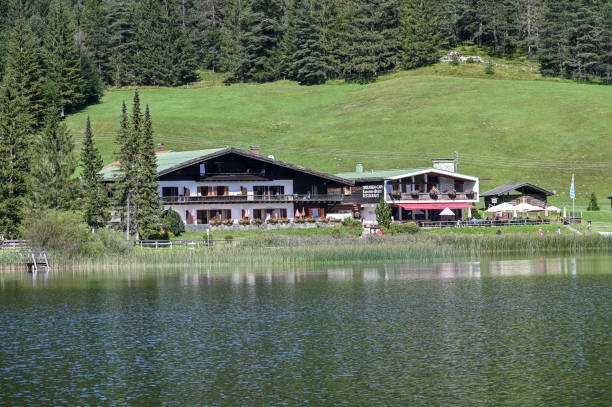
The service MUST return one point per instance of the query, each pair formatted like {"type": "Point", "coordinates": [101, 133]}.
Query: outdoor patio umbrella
{"type": "Point", "coordinates": [447, 212]}
{"type": "Point", "coordinates": [297, 213]}
{"type": "Point", "coordinates": [469, 213]}
{"type": "Point", "coordinates": [553, 208]}
{"type": "Point", "coordinates": [564, 213]}
{"type": "Point", "coordinates": [504, 207]}
{"type": "Point", "coordinates": [526, 207]}
{"type": "Point", "coordinates": [303, 212]}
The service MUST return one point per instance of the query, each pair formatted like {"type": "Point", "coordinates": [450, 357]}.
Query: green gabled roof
{"type": "Point", "coordinates": [165, 160]}
{"type": "Point", "coordinates": [378, 174]}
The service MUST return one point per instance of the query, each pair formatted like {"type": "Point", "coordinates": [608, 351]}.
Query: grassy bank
{"type": "Point", "coordinates": [544, 128]}
{"type": "Point", "coordinates": [296, 251]}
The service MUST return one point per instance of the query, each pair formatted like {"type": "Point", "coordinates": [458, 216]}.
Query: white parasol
{"type": "Point", "coordinates": [504, 207]}
{"type": "Point", "coordinates": [447, 212]}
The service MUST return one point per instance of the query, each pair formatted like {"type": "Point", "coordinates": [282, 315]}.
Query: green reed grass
{"type": "Point", "coordinates": [296, 251]}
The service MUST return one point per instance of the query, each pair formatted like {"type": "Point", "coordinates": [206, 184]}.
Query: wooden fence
{"type": "Point", "coordinates": [13, 244]}
{"type": "Point", "coordinates": [157, 244]}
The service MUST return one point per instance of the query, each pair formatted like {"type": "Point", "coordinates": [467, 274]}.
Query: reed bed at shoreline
{"type": "Point", "coordinates": [283, 250]}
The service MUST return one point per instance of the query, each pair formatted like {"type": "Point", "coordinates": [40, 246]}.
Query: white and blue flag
{"type": "Point", "coordinates": [572, 191]}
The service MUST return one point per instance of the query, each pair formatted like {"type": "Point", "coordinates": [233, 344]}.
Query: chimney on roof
{"type": "Point", "coordinates": [254, 150]}
{"type": "Point", "coordinates": [359, 167]}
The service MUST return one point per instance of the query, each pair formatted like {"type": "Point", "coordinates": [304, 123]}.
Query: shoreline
{"type": "Point", "coordinates": [301, 251]}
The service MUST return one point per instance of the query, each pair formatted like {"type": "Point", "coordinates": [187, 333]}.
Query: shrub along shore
{"type": "Point", "coordinates": [286, 250]}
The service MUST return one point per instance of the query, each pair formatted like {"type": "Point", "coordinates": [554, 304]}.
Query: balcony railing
{"type": "Point", "coordinates": [253, 198]}
{"type": "Point", "coordinates": [425, 196]}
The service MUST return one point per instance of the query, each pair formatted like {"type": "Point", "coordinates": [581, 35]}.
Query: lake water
{"type": "Point", "coordinates": [488, 332]}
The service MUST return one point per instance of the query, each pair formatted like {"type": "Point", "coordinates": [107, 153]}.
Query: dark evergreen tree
{"type": "Point", "coordinates": [94, 26]}
{"type": "Point", "coordinates": [308, 67]}
{"type": "Point", "coordinates": [16, 155]}
{"type": "Point", "coordinates": [147, 198]}
{"type": "Point", "coordinates": [372, 39]}
{"type": "Point", "coordinates": [121, 27]}
{"type": "Point", "coordinates": [593, 205]}
{"type": "Point", "coordinates": [62, 57]}
{"type": "Point", "coordinates": [383, 214]}
{"type": "Point", "coordinates": [204, 19]}
{"type": "Point", "coordinates": [329, 18]}
{"type": "Point", "coordinates": [420, 30]}
{"type": "Point", "coordinates": [262, 32]}
{"type": "Point", "coordinates": [605, 62]}
{"type": "Point", "coordinates": [585, 42]}
{"type": "Point", "coordinates": [529, 21]}
{"type": "Point", "coordinates": [554, 38]}
{"type": "Point", "coordinates": [54, 185]}
{"type": "Point", "coordinates": [95, 203]}
{"type": "Point", "coordinates": [23, 73]}
{"type": "Point", "coordinates": [232, 50]}
{"type": "Point", "coordinates": [173, 222]}
{"type": "Point", "coordinates": [92, 82]}
{"type": "Point", "coordinates": [127, 155]}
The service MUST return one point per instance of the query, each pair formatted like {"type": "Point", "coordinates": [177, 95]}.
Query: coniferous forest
{"type": "Point", "coordinates": [79, 46]}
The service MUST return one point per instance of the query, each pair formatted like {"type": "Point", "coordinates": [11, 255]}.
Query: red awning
{"type": "Point", "coordinates": [450, 205]}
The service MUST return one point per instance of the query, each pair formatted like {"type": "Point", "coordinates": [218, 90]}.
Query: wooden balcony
{"type": "Point", "coordinates": [253, 198]}
{"type": "Point", "coordinates": [425, 196]}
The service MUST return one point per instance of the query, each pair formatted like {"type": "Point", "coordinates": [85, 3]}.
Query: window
{"type": "Point", "coordinates": [221, 191]}
{"type": "Point", "coordinates": [203, 191]}
{"type": "Point", "coordinates": [268, 190]}
{"type": "Point", "coordinates": [170, 191]}
{"type": "Point", "coordinates": [347, 190]}
{"type": "Point", "coordinates": [202, 169]}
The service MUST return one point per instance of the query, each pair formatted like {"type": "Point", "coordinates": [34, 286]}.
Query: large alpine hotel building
{"type": "Point", "coordinates": [229, 183]}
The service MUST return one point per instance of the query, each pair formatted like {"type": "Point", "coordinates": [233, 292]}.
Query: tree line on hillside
{"type": "Point", "coordinates": [78, 45]}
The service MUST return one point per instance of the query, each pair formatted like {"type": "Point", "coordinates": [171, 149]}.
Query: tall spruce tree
{"type": "Point", "coordinates": [62, 57]}
{"type": "Point", "coordinates": [96, 198]}
{"type": "Point", "coordinates": [420, 31]}
{"type": "Point", "coordinates": [308, 67]}
{"type": "Point", "coordinates": [94, 26]}
{"type": "Point", "coordinates": [605, 62]}
{"type": "Point", "coordinates": [23, 73]}
{"type": "Point", "coordinates": [554, 38]}
{"type": "Point", "coordinates": [54, 185]}
{"type": "Point", "coordinates": [262, 32]}
{"type": "Point", "coordinates": [16, 133]}
{"type": "Point", "coordinates": [585, 42]}
{"type": "Point", "coordinates": [330, 20]}
{"type": "Point", "coordinates": [147, 199]}
{"type": "Point", "coordinates": [205, 20]}
{"type": "Point", "coordinates": [372, 39]}
{"type": "Point", "coordinates": [231, 51]}
{"type": "Point", "coordinates": [121, 32]}
{"type": "Point", "coordinates": [127, 151]}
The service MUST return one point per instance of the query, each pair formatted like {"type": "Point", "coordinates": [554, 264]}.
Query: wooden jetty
{"type": "Point", "coordinates": [35, 260]}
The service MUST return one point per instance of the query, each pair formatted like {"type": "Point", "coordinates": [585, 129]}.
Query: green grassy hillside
{"type": "Point", "coordinates": [505, 130]}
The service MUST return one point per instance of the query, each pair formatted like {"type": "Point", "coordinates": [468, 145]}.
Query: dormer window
{"type": "Point", "coordinates": [202, 169]}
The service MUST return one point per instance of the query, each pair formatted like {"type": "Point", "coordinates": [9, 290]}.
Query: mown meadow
{"type": "Point", "coordinates": [519, 128]}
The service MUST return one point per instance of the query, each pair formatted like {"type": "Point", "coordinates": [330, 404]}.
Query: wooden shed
{"type": "Point", "coordinates": [517, 193]}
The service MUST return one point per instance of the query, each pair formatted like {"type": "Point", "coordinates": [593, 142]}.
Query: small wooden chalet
{"type": "Point", "coordinates": [517, 193]}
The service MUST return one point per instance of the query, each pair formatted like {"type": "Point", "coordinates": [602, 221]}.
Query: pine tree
{"type": "Point", "coordinates": [261, 39]}
{"type": "Point", "coordinates": [205, 21]}
{"type": "Point", "coordinates": [554, 38]}
{"type": "Point", "coordinates": [585, 41]}
{"type": "Point", "coordinates": [420, 30]}
{"type": "Point", "coordinates": [232, 51]}
{"type": "Point", "coordinates": [529, 24]}
{"type": "Point", "coordinates": [127, 155]}
{"type": "Point", "coordinates": [93, 24]}
{"type": "Point", "coordinates": [15, 149]}
{"type": "Point", "coordinates": [383, 214]}
{"type": "Point", "coordinates": [605, 62]}
{"type": "Point", "coordinates": [330, 22]}
{"type": "Point", "coordinates": [54, 185]}
{"type": "Point", "coordinates": [23, 71]}
{"type": "Point", "coordinates": [96, 198]}
{"type": "Point", "coordinates": [121, 27]}
{"type": "Point", "coordinates": [92, 82]}
{"type": "Point", "coordinates": [62, 57]}
{"type": "Point", "coordinates": [147, 199]}
{"type": "Point", "coordinates": [593, 206]}
{"type": "Point", "coordinates": [372, 39]}
{"type": "Point", "coordinates": [308, 67]}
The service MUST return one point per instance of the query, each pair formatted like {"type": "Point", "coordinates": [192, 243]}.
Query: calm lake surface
{"type": "Point", "coordinates": [488, 332]}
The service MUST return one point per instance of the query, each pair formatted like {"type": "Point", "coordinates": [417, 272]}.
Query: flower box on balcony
{"type": "Point", "coordinates": [470, 193]}
{"type": "Point", "coordinates": [452, 194]}
{"type": "Point", "coordinates": [433, 193]}
{"type": "Point", "coordinates": [414, 194]}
